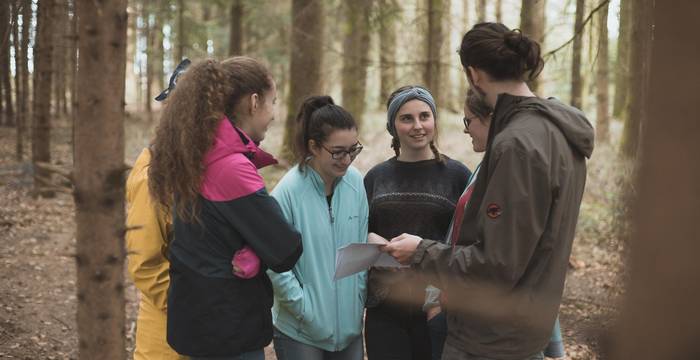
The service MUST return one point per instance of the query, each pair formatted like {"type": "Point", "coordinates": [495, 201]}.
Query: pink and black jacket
{"type": "Point", "coordinates": [211, 312]}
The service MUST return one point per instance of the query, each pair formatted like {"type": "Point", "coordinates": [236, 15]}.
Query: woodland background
{"type": "Point", "coordinates": [78, 78]}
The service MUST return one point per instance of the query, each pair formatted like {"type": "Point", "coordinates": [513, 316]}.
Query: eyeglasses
{"type": "Point", "coordinates": [340, 154]}
{"type": "Point", "coordinates": [468, 120]}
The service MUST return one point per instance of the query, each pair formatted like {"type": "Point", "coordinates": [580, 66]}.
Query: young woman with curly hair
{"type": "Point", "coordinates": [204, 169]}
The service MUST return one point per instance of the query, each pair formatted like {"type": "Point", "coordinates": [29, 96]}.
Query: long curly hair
{"type": "Point", "coordinates": [205, 93]}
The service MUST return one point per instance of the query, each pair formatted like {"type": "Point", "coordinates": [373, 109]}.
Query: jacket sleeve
{"type": "Point", "coordinates": [511, 220]}
{"type": "Point", "coordinates": [147, 265]}
{"type": "Point", "coordinates": [259, 220]}
{"type": "Point", "coordinates": [287, 288]}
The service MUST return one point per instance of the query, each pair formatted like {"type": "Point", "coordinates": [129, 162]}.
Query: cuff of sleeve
{"type": "Point", "coordinates": [420, 251]}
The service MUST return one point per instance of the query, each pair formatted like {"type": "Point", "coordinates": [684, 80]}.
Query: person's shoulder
{"type": "Point", "coordinates": [381, 168]}
{"type": "Point", "coordinates": [231, 177]}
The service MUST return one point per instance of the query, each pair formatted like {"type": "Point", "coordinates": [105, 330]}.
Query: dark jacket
{"type": "Point", "coordinates": [505, 277]}
{"type": "Point", "coordinates": [211, 312]}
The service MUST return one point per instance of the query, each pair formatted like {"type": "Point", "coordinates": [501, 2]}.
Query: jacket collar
{"type": "Point", "coordinates": [230, 139]}
{"type": "Point", "coordinates": [317, 180]}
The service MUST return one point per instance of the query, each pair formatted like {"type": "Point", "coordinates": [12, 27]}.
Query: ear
{"type": "Point", "coordinates": [473, 75]}
{"type": "Point", "coordinates": [253, 102]}
{"type": "Point", "coordinates": [313, 147]}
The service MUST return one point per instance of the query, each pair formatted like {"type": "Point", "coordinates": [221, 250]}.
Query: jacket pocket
{"type": "Point", "coordinates": [313, 325]}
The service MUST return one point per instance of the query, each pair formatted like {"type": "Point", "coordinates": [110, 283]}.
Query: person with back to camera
{"type": "Point", "coordinates": [414, 191]}
{"type": "Point", "coordinates": [317, 317]}
{"type": "Point", "coordinates": [205, 169]}
{"type": "Point", "coordinates": [504, 271]}
{"type": "Point", "coordinates": [477, 121]}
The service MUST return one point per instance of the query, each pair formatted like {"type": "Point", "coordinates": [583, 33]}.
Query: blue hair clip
{"type": "Point", "coordinates": [179, 70]}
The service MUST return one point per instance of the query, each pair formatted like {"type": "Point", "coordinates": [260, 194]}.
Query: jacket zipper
{"type": "Point", "coordinates": [330, 213]}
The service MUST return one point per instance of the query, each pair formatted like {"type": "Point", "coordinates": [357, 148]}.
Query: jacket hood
{"type": "Point", "coordinates": [230, 140]}
{"type": "Point", "coordinates": [572, 122]}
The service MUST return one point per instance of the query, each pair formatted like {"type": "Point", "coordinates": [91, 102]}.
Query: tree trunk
{"type": "Point", "coordinates": [532, 24]}
{"type": "Point", "coordinates": [576, 79]}
{"type": "Point", "coordinates": [99, 179]}
{"type": "Point", "coordinates": [158, 50]}
{"type": "Point", "coordinates": [354, 82]}
{"type": "Point", "coordinates": [481, 11]}
{"type": "Point", "coordinates": [388, 14]}
{"type": "Point", "coordinates": [660, 317]}
{"type": "Point", "coordinates": [23, 103]}
{"type": "Point", "coordinates": [150, 41]}
{"type": "Point", "coordinates": [60, 55]}
{"type": "Point", "coordinates": [305, 63]}
{"type": "Point", "coordinates": [43, 53]}
{"type": "Point", "coordinates": [235, 46]}
{"type": "Point", "coordinates": [622, 65]}
{"type": "Point", "coordinates": [640, 57]}
{"type": "Point", "coordinates": [73, 64]}
{"type": "Point", "coordinates": [181, 32]}
{"type": "Point", "coordinates": [463, 84]}
{"type": "Point", "coordinates": [602, 83]}
{"type": "Point", "coordinates": [19, 143]}
{"type": "Point", "coordinates": [499, 11]}
{"type": "Point", "coordinates": [433, 44]}
{"type": "Point", "coordinates": [5, 13]}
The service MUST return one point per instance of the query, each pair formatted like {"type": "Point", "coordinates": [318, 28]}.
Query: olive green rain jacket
{"type": "Point", "coordinates": [147, 266]}
{"type": "Point", "coordinates": [504, 277]}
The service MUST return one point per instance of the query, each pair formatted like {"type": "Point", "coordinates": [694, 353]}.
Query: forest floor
{"type": "Point", "coordinates": [37, 241]}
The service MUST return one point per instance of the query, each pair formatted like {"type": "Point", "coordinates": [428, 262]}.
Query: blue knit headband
{"type": "Point", "coordinates": [414, 93]}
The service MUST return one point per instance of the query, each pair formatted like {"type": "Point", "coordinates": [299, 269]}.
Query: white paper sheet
{"type": "Point", "coordinates": [354, 258]}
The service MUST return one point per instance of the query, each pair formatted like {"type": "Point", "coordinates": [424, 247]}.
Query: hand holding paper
{"type": "Point", "coordinates": [403, 247]}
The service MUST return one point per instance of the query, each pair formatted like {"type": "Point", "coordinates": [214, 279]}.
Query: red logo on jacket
{"type": "Point", "coordinates": [493, 210]}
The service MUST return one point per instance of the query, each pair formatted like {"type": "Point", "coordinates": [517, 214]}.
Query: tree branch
{"type": "Point", "coordinates": [579, 30]}
{"type": "Point", "coordinates": [68, 175]}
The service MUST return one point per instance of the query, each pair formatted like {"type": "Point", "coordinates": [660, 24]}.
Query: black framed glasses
{"type": "Point", "coordinates": [340, 154]}
{"type": "Point", "coordinates": [468, 120]}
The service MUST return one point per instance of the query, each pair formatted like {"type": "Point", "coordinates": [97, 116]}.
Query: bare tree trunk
{"type": "Point", "coordinates": [388, 14]}
{"type": "Point", "coordinates": [19, 143]}
{"type": "Point", "coordinates": [660, 318]}
{"type": "Point", "coordinates": [181, 32]}
{"type": "Point", "coordinates": [532, 24]}
{"type": "Point", "coordinates": [576, 79]}
{"type": "Point", "coordinates": [433, 44]}
{"type": "Point", "coordinates": [481, 11]}
{"type": "Point", "coordinates": [354, 82]}
{"type": "Point", "coordinates": [236, 30]}
{"type": "Point", "coordinates": [499, 10]}
{"type": "Point", "coordinates": [622, 65]}
{"type": "Point", "coordinates": [43, 53]}
{"type": "Point", "coordinates": [23, 103]}
{"type": "Point", "coordinates": [158, 50]}
{"type": "Point", "coordinates": [147, 32]}
{"type": "Point", "coordinates": [60, 54]}
{"type": "Point", "coordinates": [99, 179]}
{"type": "Point", "coordinates": [463, 84]}
{"type": "Point", "coordinates": [305, 64]}
{"type": "Point", "coordinates": [640, 58]}
{"type": "Point", "coordinates": [6, 19]}
{"type": "Point", "coordinates": [602, 82]}
{"type": "Point", "coordinates": [73, 64]}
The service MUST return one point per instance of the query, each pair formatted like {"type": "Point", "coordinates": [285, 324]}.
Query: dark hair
{"type": "Point", "coordinates": [478, 106]}
{"type": "Point", "coordinates": [317, 118]}
{"type": "Point", "coordinates": [503, 53]}
{"type": "Point", "coordinates": [206, 92]}
{"type": "Point", "coordinates": [396, 144]}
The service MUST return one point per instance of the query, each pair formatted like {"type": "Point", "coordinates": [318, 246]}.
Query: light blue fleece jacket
{"type": "Point", "coordinates": [309, 306]}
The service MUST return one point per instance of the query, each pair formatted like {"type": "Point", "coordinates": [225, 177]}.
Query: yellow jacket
{"type": "Point", "coordinates": [147, 265]}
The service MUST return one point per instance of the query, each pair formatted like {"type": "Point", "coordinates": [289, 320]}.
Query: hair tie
{"type": "Point", "coordinates": [179, 70]}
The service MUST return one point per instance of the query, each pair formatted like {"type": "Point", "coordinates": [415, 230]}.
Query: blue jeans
{"type": "Point", "coordinates": [287, 348]}
{"type": "Point", "coordinates": [252, 355]}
